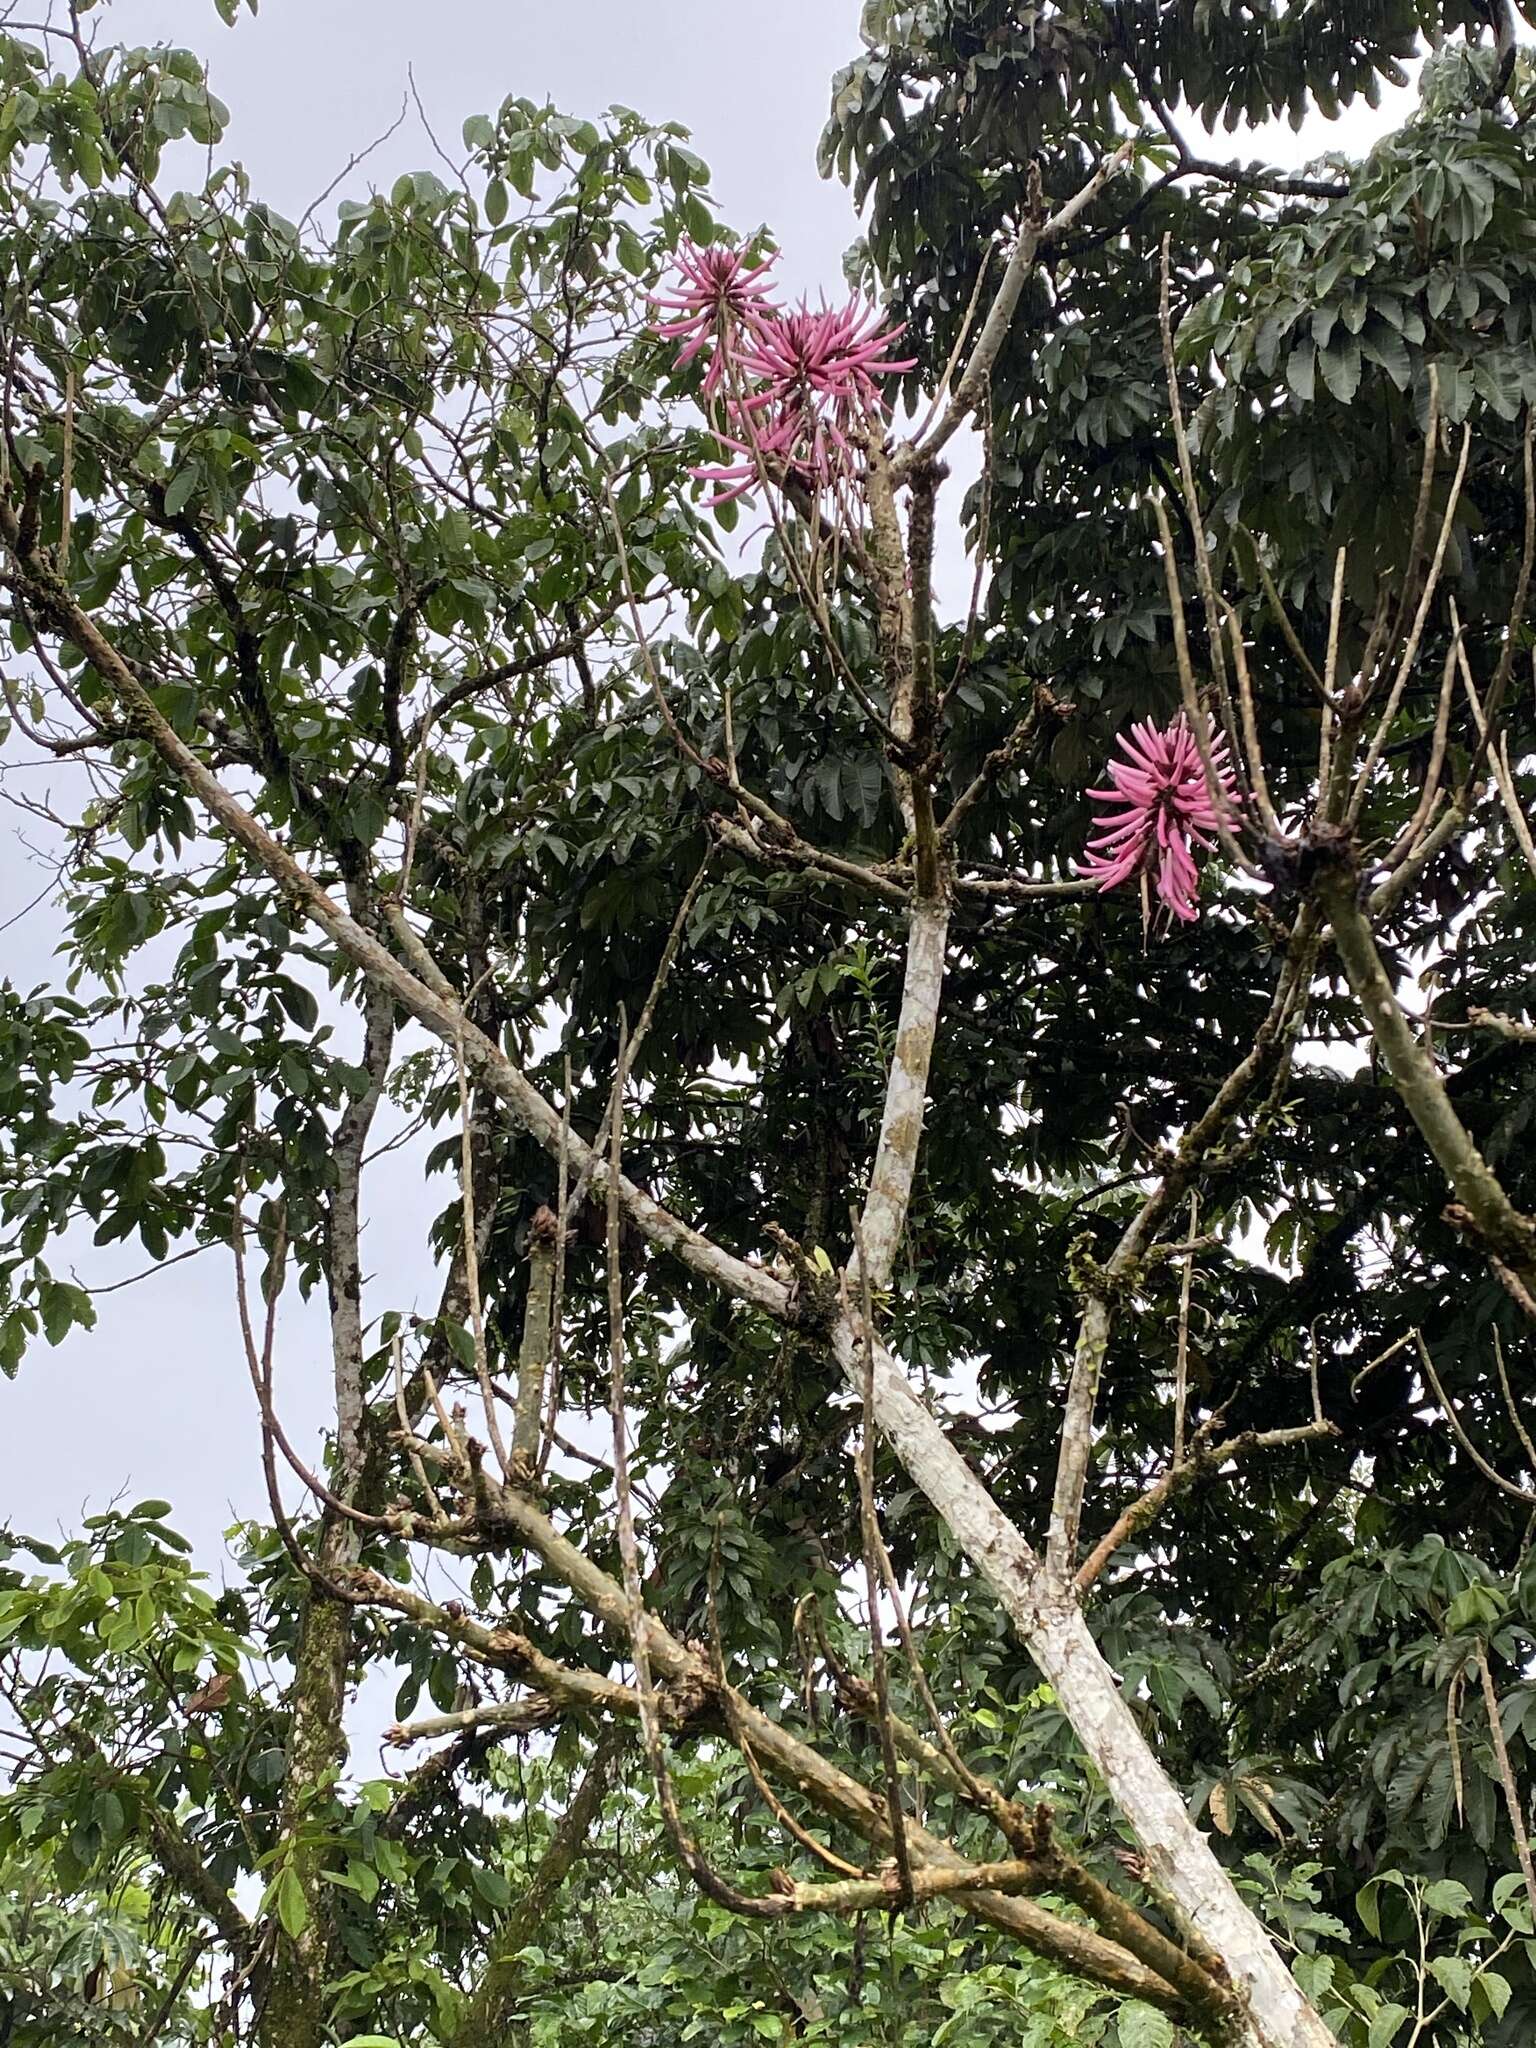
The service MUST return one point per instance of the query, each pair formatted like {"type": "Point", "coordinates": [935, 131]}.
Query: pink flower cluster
{"type": "Point", "coordinates": [1159, 810]}
{"type": "Point", "coordinates": [795, 386]}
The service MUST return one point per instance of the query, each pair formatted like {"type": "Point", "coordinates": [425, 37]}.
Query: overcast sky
{"type": "Point", "coordinates": [156, 1401]}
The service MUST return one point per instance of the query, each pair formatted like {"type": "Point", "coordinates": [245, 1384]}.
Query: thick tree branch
{"type": "Point", "coordinates": [1483, 1208]}
{"type": "Point", "coordinates": [689, 1683]}
{"type": "Point", "coordinates": [488, 2013]}
{"type": "Point", "coordinates": [1180, 1861]}
{"type": "Point", "coordinates": [901, 1123]}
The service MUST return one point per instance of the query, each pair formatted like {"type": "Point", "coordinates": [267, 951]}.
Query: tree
{"type": "Point", "coordinates": [893, 1183]}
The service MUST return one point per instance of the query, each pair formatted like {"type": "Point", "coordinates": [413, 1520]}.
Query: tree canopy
{"type": "Point", "coordinates": [1058, 1567]}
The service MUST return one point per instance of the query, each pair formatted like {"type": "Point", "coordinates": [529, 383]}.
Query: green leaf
{"type": "Point", "coordinates": [87, 159]}
{"type": "Point", "coordinates": [1340, 366]}
{"type": "Point", "coordinates": [292, 1907]}
{"type": "Point", "coordinates": [107, 1812]}
{"type": "Point", "coordinates": [1143, 2026]}
{"type": "Point", "coordinates": [178, 491]}
{"type": "Point", "coordinates": [491, 1886]}
{"type": "Point", "coordinates": [496, 202]}
{"type": "Point", "coordinates": [460, 1341]}
{"type": "Point", "coordinates": [1454, 1976]}
{"type": "Point", "coordinates": [1385, 2025]}
{"type": "Point", "coordinates": [1301, 370]}
{"type": "Point", "coordinates": [1510, 1902]}
{"type": "Point", "coordinates": [1384, 346]}
{"type": "Point", "coordinates": [1478, 1607]}
{"type": "Point", "coordinates": [1446, 1895]}
{"type": "Point", "coordinates": [1496, 1990]}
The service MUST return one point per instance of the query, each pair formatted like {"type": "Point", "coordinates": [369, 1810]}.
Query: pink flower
{"type": "Point", "coordinates": [806, 385]}
{"type": "Point", "coordinates": [718, 293]}
{"type": "Point", "coordinates": [1160, 809]}
{"type": "Point", "coordinates": [830, 356]}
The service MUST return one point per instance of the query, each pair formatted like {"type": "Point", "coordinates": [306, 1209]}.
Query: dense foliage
{"type": "Point", "coordinates": [395, 528]}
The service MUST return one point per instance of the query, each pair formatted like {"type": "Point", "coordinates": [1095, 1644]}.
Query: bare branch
{"type": "Point", "coordinates": [1506, 1234]}
{"type": "Point", "coordinates": [1037, 232]}
{"type": "Point", "coordinates": [1489, 1472]}
{"type": "Point", "coordinates": [1507, 1778]}
{"type": "Point", "coordinates": [1204, 1460]}
{"type": "Point", "coordinates": [1105, 1287]}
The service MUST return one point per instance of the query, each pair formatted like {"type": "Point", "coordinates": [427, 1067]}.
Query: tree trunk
{"type": "Point", "coordinates": [293, 2012]}
{"type": "Point", "coordinates": [489, 2017]}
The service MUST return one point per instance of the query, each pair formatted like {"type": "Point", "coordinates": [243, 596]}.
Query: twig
{"type": "Point", "coordinates": [997, 763]}
{"type": "Point", "coordinates": [259, 1362]}
{"type": "Point", "coordinates": [1490, 1472]}
{"type": "Point", "coordinates": [982, 1795]}
{"type": "Point", "coordinates": [1509, 1400]}
{"type": "Point", "coordinates": [1408, 838]}
{"type": "Point", "coordinates": [562, 1238]}
{"type": "Point", "coordinates": [1498, 761]}
{"type": "Point", "coordinates": [1251, 742]}
{"type": "Point", "coordinates": [1203, 1458]}
{"type": "Point", "coordinates": [1506, 662]}
{"type": "Point", "coordinates": [785, 1818]}
{"type": "Point", "coordinates": [1282, 618]}
{"type": "Point", "coordinates": [1104, 1286]}
{"type": "Point", "coordinates": [418, 801]}
{"type": "Point", "coordinates": [1194, 710]}
{"type": "Point", "coordinates": [407, 1434]}
{"type": "Point", "coordinates": [1507, 1776]}
{"type": "Point", "coordinates": [1035, 233]}
{"type": "Point", "coordinates": [687, 1851]}
{"type": "Point", "coordinates": [1410, 651]}
{"type": "Point", "coordinates": [571, 1205]}
{"type": "Point", "coordinates": [1203, 578]}
{"type": "Point", "coordinates": [1181, 1367]}
{"type": "Point", "coordinates": [67, 475]}
{"type": "Point", "coordinates": [260, 1365]}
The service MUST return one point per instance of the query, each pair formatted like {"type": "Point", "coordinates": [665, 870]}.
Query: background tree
{"type": "Point", "coordinates": [720, 909]}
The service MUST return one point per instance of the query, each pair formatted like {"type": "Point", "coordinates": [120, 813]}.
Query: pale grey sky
{"type": "Point", "coordinates": [156, 1401]}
